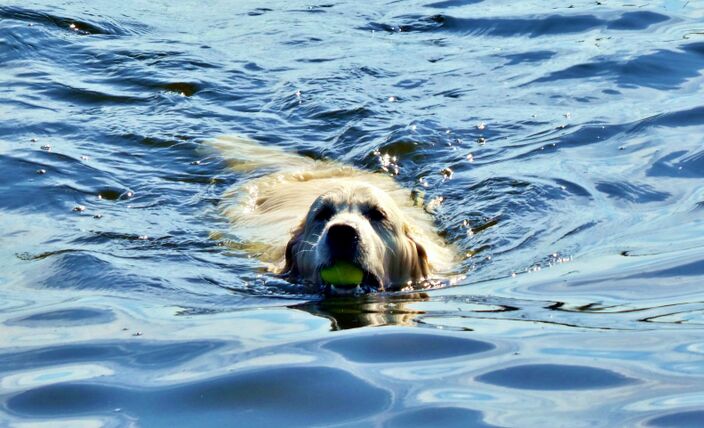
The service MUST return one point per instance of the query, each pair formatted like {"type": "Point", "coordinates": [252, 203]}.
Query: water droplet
{"type": "Point", "coordinates": [434, 203]}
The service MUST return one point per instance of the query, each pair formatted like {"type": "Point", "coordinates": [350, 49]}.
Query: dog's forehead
{"type": "Point", "coordinates": [353, 195]}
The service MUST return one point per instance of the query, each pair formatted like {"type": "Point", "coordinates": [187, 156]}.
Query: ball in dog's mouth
{"type": "Point", "coordinates": [342, 273]}
{"type": "Point", "coordinates": [343, 277]}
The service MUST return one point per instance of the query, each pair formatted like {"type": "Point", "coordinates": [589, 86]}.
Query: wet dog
{"type": "Point", "coordinates": [307, 215]}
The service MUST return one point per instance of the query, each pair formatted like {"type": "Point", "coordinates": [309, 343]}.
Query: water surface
{"type": "Point", "coordinates": [561, 146]}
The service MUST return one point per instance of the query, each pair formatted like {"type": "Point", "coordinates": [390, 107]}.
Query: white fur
{"type": "Point", "coordinates": [274, 208]}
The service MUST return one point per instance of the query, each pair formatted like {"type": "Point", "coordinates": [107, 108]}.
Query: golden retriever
{"type": "Point", "coordinates": [305, 215]}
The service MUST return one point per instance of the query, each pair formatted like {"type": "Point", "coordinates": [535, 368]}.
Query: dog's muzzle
{"type": "Point", "coordinates": [343, 244]}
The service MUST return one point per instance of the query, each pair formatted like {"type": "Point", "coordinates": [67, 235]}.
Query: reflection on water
{"type": "Point", "coordinates": [366, 311]}
{"type": "Point", "coordinates": [559, 147]}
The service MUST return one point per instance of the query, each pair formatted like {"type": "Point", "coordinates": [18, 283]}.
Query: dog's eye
{"type": "Point", "coordinates": [325, 213]}
{"type": "Point", "coordinates": [375, 214]}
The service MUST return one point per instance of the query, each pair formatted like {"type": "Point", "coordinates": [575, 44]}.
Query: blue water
{"type": "Point", "coordinates": [563, 145]}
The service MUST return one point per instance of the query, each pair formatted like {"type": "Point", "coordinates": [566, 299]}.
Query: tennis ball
{"type": "Point", "coordinates": [342, 273]}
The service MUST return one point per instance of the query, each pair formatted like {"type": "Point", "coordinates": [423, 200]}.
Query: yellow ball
{"type": "Point", "coordinates": [342, 273]}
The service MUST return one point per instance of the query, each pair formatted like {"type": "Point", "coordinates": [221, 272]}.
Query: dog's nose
{"type": "Point", "coordinates": [342, 241]}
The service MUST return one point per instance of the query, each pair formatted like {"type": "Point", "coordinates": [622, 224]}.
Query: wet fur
{"type": "Point", "coordinates": [276, 206]}
{"type": "Point", "coordinates": [387, 248]}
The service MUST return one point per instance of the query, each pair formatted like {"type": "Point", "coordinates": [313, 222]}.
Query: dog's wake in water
{"type": "Point", "coordinates": [308, 217]}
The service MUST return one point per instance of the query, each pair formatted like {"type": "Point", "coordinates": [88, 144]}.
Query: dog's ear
{"type": "Point", "coordinates": [420, 265]}
{"type": "Point", "coordinates": [290, 266]}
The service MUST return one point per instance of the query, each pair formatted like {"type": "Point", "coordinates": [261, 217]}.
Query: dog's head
{"type": "Point", "coordinates": [362, 225]}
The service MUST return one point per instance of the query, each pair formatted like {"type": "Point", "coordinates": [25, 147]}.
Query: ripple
{"type": "Point", "coordinates": [513, 27]}
{"type": "Point", "coordinates": [404, 347]}
{"type": "Point", "coordinates": [659, 70]}
{"type": "Point", "coordinates": [528, 57]}
{"type": "Point", "coordinates": [33, 192]}
{"type": "Point", "coordinates": [64, 318]}
{"type": "Point", "coordinates": [133, 354]}
{"type": "Point", "coordinates": [34, 378]}
{"type": "Point", "coordinates": [692, 269]}
{"type": "Point", "coordinates": [446, 417]}
{"type": "Point", "coordinates": [87, 96]}
{"type": "Point", "coordinates": [291, 396]}
{"type": "Point", "coordinates": [640, 20]}
{"type": "Point", "coordinates": [104, 27]}
{"type": "Point", "coordinates": [691, 419]}
{"type": "Point", "coordinates": [679, 164]}
{"type": "Point", "coordinates": [82, 270]}
{"type": "Point", "coordinates": [639, 194]}
{"type": "Point", "coordinates": [555, 377]}
{"type": "Point", "coordinates": [452, 3]}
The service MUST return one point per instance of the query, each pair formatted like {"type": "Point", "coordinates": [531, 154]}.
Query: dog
{"type": "Point", "coordinates": [303, 215]}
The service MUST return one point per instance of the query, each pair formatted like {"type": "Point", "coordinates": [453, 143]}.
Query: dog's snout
{"type": "Point", "coordinates": [342, 240]}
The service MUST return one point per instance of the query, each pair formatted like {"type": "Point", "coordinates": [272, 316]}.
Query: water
{"type": "Point", "coordinates": [561, 143]}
